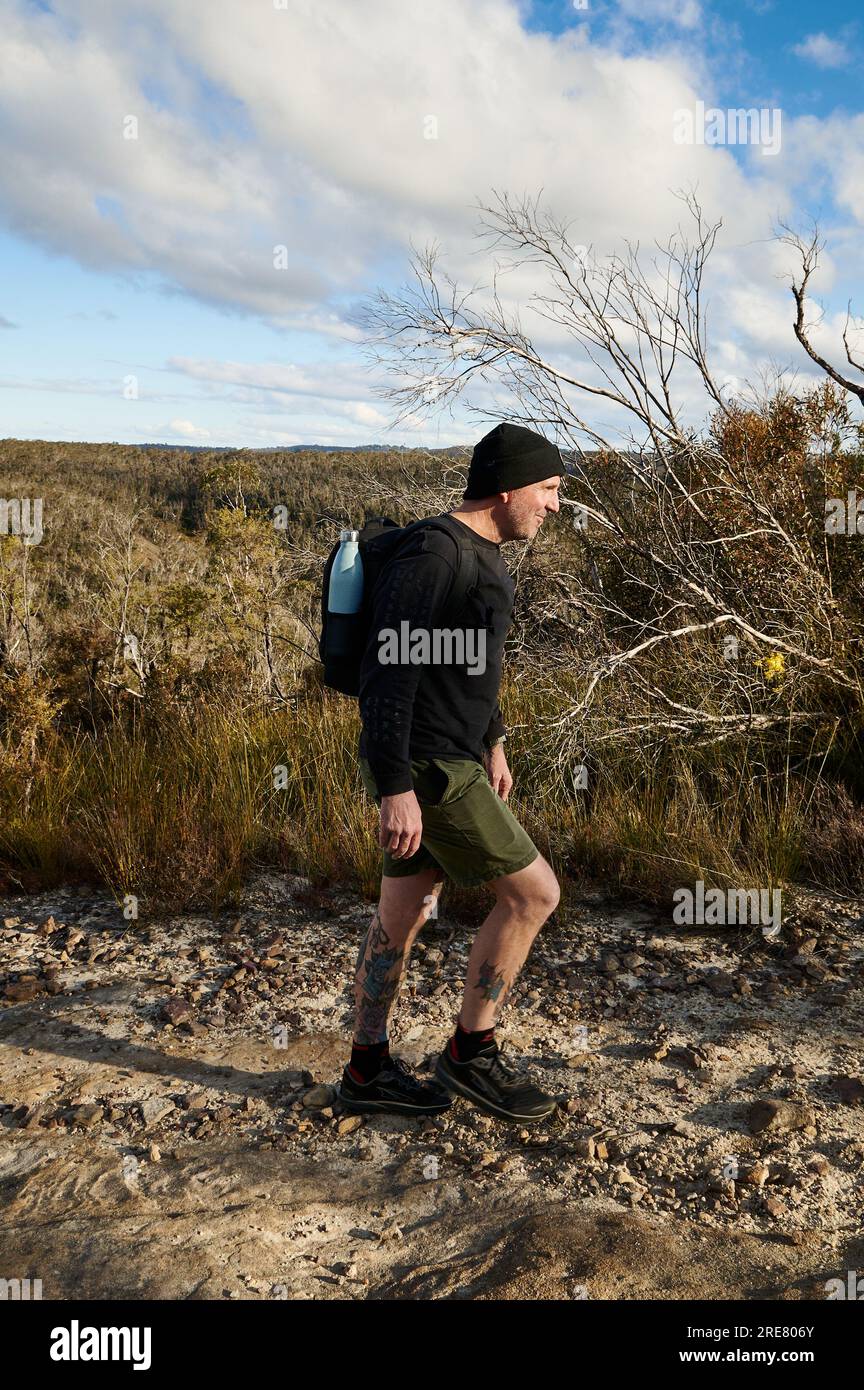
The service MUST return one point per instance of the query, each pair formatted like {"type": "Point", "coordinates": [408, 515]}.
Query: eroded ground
{"type": "Point", "coordinates": [168, 1127]}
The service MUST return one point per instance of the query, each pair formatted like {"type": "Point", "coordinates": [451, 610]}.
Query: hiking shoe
{"type": "Point", "coordinates": [493, 1086]}
{"type": "Point", "coordinates": [394, 1088]}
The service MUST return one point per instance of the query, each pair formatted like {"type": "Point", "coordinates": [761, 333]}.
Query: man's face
{"type": "Point", "coordinates": [525, 511]}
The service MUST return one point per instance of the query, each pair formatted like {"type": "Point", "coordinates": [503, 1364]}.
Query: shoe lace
{"type": "Point", "coordinates": [500, 1071]}
{"type": "Point", "coordinates": [397, 1065]}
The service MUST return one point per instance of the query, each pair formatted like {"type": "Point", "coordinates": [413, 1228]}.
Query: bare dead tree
{"type": "Point", "coordinates": [809, 253]}
{"type": "Point", "coordinates": [688, 538]}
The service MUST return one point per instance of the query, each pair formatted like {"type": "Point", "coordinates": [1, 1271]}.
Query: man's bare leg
{"type": "Point", "coordinates": [372, 1080]}
{"type": "Point", "coordinates": [524, 902]}
{"type": "Point", "coordinates": [404, 905]}
{"type": "Point", "coordinates": [470, 1064]}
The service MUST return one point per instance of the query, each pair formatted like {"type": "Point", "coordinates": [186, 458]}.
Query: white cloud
{"type": "Point", "coordinates": [324, 381]}
{"type": "Point", "coordinates": [828, 156]}
{"type": "Point", "coordinates": [822, 50]}
{"type": "Point", "coordinates": [283, 388]}
{"type": "Point", "coordinates": [686, 13]}
{"type": "Point", "coordinates": [184, 429]}
{"type": "Point", "coordinates": [75, 386]}
{"type": "Point", "coordinates": [304, 128]}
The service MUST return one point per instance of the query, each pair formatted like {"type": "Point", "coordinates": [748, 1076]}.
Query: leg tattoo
{"type": "Point", "coordinates": [379, 985]}
{"type": "Point", "coordinates": [492, 986]}
{"type": "Point", "coordinates": [361, 954]}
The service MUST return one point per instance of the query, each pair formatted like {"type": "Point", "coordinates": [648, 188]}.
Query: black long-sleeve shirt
{"type": "Point", "coordinates": [410, 710]}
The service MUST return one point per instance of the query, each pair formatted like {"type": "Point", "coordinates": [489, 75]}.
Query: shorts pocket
{"type": "Point", "coordinates": [430, 781]}
{"type": "Point", "coordinates": [460, 775]}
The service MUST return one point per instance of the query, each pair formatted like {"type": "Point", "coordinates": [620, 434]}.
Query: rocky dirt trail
{"type": "Point", "coordinates": [169, 1128]}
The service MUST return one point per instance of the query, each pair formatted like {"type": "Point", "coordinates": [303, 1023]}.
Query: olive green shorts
{"type": "Point", "coordinates": [469, 833]}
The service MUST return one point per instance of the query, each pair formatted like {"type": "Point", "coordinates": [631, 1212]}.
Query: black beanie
{"type": "Point", "coordinates": [510, 456]}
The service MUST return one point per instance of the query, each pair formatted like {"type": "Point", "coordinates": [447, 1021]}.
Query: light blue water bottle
{"type": "Point", "coordinates": [345, 593]}
{"type": "Point", "coordinates": [344, 601]}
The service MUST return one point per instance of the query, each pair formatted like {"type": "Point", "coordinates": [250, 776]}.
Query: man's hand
{"type": "Point", "coordinates": [495, 762]}
{"type": "Point", "coordinates": [401, 825]}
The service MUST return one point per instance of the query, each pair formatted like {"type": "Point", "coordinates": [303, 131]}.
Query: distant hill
{"type": "Point", "coordinates": [294, 448]}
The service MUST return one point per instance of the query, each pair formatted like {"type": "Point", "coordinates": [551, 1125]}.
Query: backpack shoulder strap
{"type": "Point", "coordinates": [466, 565]}
{"type": "Point", "coordinates": [466, 557]}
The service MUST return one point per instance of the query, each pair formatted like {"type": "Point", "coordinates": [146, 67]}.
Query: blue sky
{"type": "Point", "coordinates": [139, 300]}
{"type": "Point", "coordinates": [752, 44]}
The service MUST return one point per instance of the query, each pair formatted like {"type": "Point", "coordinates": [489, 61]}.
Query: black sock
{"type": "Point", "coordinates": [367, 1059]}
{"type": "Point", "coordinates": [465, 1046]}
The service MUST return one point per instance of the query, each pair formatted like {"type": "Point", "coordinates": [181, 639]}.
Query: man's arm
{"type": "Point", "coordinates": [494, 758]}
{"type": "Point", "coordinates": [497, 728]}
{"type": "Point", "coordinates": [413, 589]}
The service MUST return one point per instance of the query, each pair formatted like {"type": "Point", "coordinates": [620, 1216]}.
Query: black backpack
{"type": "Point", "coordinates": [345, 636]}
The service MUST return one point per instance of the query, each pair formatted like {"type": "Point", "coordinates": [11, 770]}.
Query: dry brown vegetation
{"type": "Point", "coordinates": [683, 683]}
{"type": "Point", "coordinates": [158, 661]}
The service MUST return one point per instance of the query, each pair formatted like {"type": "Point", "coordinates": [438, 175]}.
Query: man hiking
{"type": "Point", "coordinates": [431, 756]}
